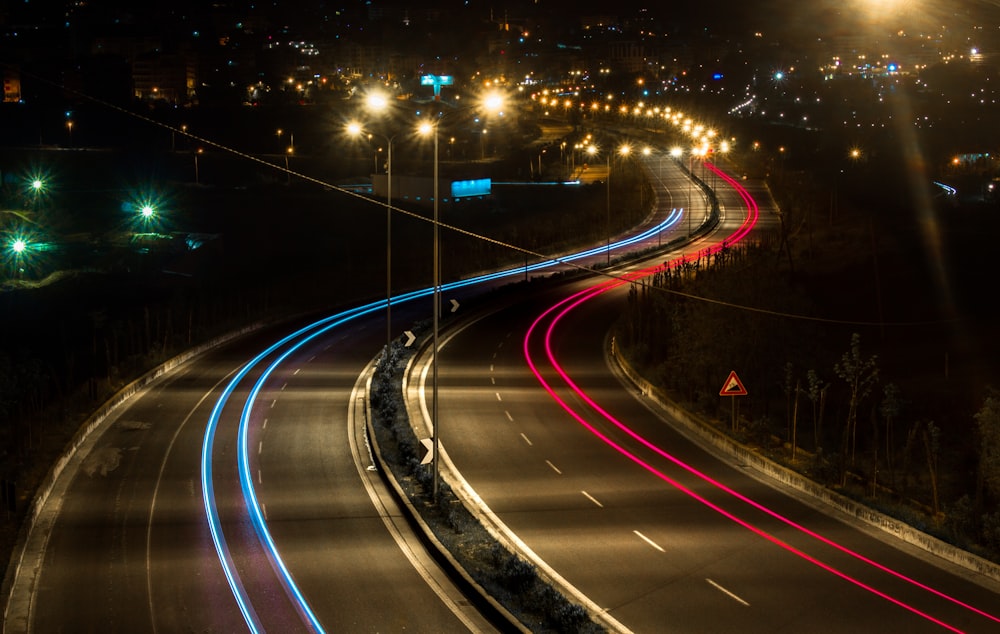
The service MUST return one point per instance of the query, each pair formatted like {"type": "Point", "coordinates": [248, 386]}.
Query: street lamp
{"type": "Point", "coordinates": [677, 153]}
{"type": "Point", "coordinates": [355, 129]}
{"type": "Point", "coordinates": [425, 129]}
{"type": "Point", "coordinates": [492, 103]}
{"type": "Point", "coordinates": [624, 150]}
{"type": "Point", "coordinates": [197, 180]}
{"type": "Point", "coordinates": [173, 136]}
{"type": "Point", "coordinates": [723, 149]}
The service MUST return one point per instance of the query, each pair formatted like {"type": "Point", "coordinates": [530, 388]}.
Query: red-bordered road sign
{"type": "Point", "coordinates": [733, 386]}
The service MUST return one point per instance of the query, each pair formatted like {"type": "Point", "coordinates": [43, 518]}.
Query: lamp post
{"type": "Point", "coordinates": [493, 103]}
{"type": "Point", "coordinates": [647, 152]}
{"type": "Point", "coordinates": [428, 128]}
{"type": "Point", "coordinates": [623, 151]}
{"type": "Point", "coordinates": [355, 129]}
{"type": "Point", "coordinates": [695, 152]}
{"type": "Point", "coordinates": [436, 254]}
{"type": "Point", "coordinates": [197, 180]}
{"type": "Point", "coordinates": [677, 153]}
{"type": "Point", "coordinates": [720, 151]}
{"type": "Point", "coordinates": [607, 216]}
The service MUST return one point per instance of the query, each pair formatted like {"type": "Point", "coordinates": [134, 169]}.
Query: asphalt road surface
{"type": "Point", "coordinates": [661, 533]}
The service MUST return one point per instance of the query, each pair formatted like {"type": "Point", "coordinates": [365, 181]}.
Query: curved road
{"type": "Point", "coordinates": [650, 526]}
{"type": "Point", "coordinates": [130, 549]}
{"type": "Point", "coordinates": [123, 543]}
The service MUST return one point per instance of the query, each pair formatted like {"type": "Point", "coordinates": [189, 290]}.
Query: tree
{"type": "Point", "coordinates": [931, 436]}
{"type": "Point", "coordinates": [787, 386]}
{"type": "Point", "coordinates": [889, 409]}
{"type": "Point", "coordinates": [816, 391]}
{"type": "Point", "coordinates": [860, 374]}
{"type": "Point", "coordinates": [988, 428]}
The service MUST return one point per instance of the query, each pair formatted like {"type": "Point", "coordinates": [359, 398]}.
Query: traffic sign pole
{"type": "Point", "coordinates": [732, 388]}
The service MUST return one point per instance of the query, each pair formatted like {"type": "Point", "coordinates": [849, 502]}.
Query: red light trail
{"type": "Point", "coordinates": [567, 305]}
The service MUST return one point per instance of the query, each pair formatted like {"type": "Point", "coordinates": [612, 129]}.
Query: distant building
{"type": "Point", "coordinates": [166, 77]}
{"type": "Point", "coordinates": [629, 56]}
{"type": "Point", "coordinates": [156, 73]}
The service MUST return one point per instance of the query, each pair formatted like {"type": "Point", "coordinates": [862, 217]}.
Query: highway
{"type": "Point", "coordinates": [130, 548]}
{"type": "Point", "coordinates": [235, 493]}
{"type": "Point", "coordinates": [653, 528]}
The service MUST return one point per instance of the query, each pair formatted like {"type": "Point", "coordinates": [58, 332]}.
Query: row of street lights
{"type": "Point", "coordinates": [623, 151]}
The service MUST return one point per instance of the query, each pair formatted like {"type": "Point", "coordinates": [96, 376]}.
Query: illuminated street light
{"type": "Point", "coordinates": [677, 153]}
{"type": "Point", "coordinates": [377, 101]}
{"type": "Point", "coordinates": [355, 129]}
{"type": "Point", "coordinates": [425, 129]}
{"type": "Point", "coordinates": [623, 151]}
{"type": "Point", "coordinates": [197, 178]}
{"type": "Point", "coordinates": [493, 102]}
{"type": "Point", "coordinates": [428, 128]}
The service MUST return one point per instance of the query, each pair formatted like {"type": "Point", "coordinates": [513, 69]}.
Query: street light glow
{"type": "Point", "coordinates": [18, 246]}
{"type": "Point", "coordinates": [377, 101]}
{"type": "Point", "coordinates": [493, 102]}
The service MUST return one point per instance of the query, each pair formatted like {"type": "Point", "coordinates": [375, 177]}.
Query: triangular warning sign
{"type": "Point", "coordinates": [733, 386]}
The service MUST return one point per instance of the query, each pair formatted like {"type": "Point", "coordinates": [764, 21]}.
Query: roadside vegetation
{"type": "Point", "coordinates": [502, 574]}
{"type": "Point", "coordinates": [866, 370]}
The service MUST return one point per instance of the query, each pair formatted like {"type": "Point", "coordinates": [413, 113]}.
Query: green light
{"type": "Point", "coordinates": [147, 211]}
{"type": "Point", "coordinates": [18, 246]}
{"type": "Point", "coordinates": [37, 184]}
